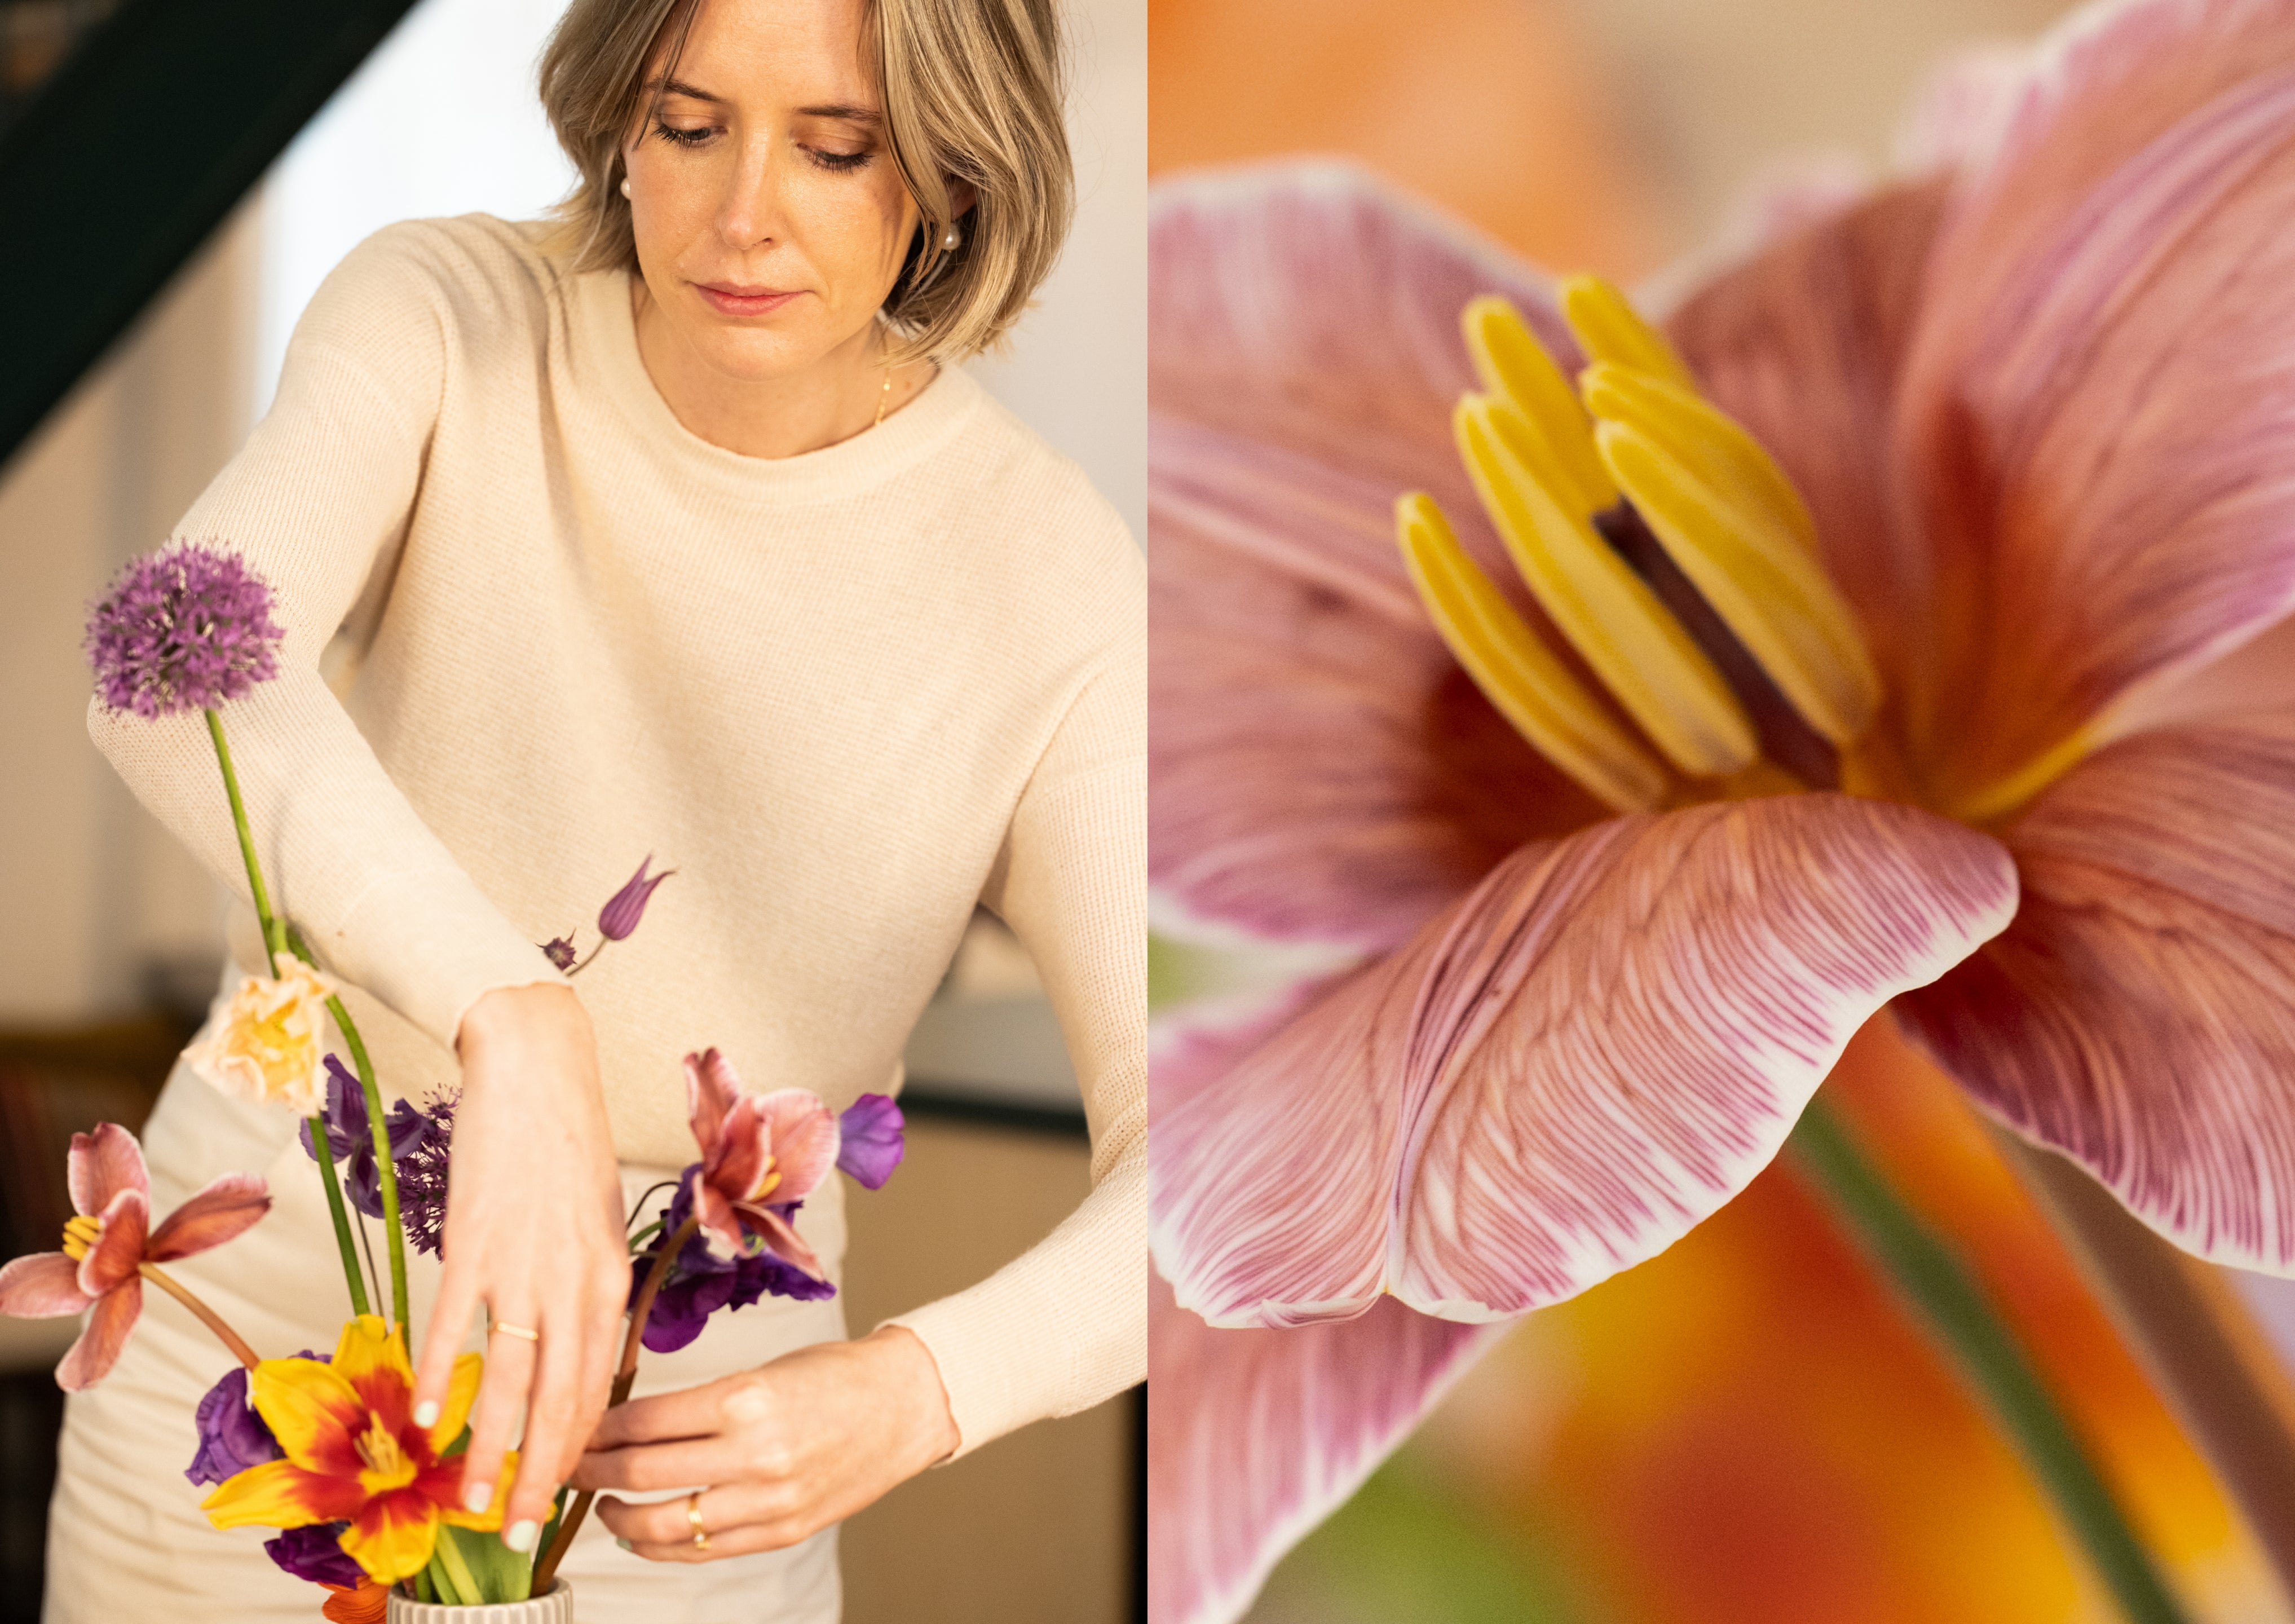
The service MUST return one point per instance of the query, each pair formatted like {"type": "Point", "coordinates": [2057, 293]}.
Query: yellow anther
{"type": "Point", "coordinates": [1640, 652]}
{"type": "Point", "coordinates": [1767, 587]}
{"type": "Point", "coordinates": [2005, 796]}
{"type": "Point", "coordinates": [1608, 328]}
{"type": "Point", "coordinates": [1514, 367]}
{"type": "Point", "coordinates": [80, 1236]}
{"type": "Point", "coordinates": [769, 1180]}
{"type": "Point", "coordinates": [1703, 439]}
{"type": "Point", "coordinates": [1524, 678]}
{"type": "Point", "coordinates": [387, 1463]}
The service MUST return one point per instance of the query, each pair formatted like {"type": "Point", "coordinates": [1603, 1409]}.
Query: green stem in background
{"type": "Point", "coordinates": [458, 1587]}
{"type": "Point", "coordinates": [1955, 1309]}
{"type": "Point", "coordinates": [274, 941]}
{"type": "Point", "coordinates": [340, 1214]}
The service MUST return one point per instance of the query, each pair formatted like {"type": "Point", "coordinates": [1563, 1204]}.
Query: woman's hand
{"type": "Point", "coordinates": [784, 1451]}
{"type": "Point", "coordinates": [534, 1232]}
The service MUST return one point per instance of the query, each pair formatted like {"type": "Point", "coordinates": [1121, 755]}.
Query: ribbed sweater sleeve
{"type": "Point", "coordinates": [317, 501]}
{"type": "Point", "coordinates": [1064, 1325]}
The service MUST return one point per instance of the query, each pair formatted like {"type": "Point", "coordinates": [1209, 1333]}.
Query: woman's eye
{"type": "Point", "coordinates": [684, 138]}
{"type": "Point", "coordinates": [840, 161]}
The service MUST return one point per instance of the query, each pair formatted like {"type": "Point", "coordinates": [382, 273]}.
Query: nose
{"type": "Point", "coordinates": [749, 213]}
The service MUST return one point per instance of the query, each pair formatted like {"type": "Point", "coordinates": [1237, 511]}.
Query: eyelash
{"type": "Point", "coordinates": [837, 163]}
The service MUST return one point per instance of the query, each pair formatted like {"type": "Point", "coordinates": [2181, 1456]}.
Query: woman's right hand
{"type": "Point", "coordinates": [534, 1232]}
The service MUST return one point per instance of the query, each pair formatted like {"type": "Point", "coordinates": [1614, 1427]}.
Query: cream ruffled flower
{"type": "Point", "coordinates": [267, 1046]}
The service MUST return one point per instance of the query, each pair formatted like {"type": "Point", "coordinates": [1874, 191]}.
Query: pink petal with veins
{"type": "Point", "coordinates": [100, 1164]}
{"type": "Point", "coordinates": [802, 1134]}
{"type": "Point", "coordinates": [2139, 1015]}
{"type": "Point", "coordinates": [711, 1086]}
{"type": "Point", "coordinates": [1320, 767]}
{"type": "Point", "coordinates": [783, 1240]}
{"type": "Point", "coordinates": [2102, 372]}
{"type": "Point", "coordinates": [91, 1358]}
{"type": "Point", "coordinates": [44, 1285]}
{"type": "Point", "coordinates": [229, 1206]}
{"type": "Point", "coordinates": [1567, 1071]}
{"type": "Point", "coordinates": [1253, 1436]}
{"type": "Point", "coordinates": [120, 1247]}
{"type": "Point", "coordinates": [735, 1160]}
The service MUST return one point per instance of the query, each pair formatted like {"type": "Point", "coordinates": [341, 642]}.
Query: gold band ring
{"type": "Point", "coordinates": [693, 1515]}
{"type": "Point", "coordinates": [508, 1329]}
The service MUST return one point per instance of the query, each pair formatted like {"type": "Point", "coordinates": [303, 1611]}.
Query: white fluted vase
{"type": "Point", "coordinates": [555, 1608]}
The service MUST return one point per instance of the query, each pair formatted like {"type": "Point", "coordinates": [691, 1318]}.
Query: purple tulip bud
{"type": "Point", "coordinates": [559, 950]}
{"type": "Point", "coordinates": [233, 1436]}
{"type": "Point", "coordinates": [871, 1144]}
{"type": "Point", "coordinates": [183, 629]}
{"type": "Point", "coordinates": [315, 1552]}
{"type": "Point", "coordinates": [620, 914]}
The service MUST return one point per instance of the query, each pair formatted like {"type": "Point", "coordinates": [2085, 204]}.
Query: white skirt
{"type": "Point", "coordinates": [126, 1540]}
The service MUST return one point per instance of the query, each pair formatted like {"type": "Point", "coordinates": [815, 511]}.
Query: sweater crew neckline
{"type": "Point", "coordinates": [602, 304]}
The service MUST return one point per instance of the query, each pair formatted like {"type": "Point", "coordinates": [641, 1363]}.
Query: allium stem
{"type": "Point", "coordinates": [209, 1317]}
{"type": "Point", "coordinates": [1957, 1313]}
{"type": "Point", "coordinates": [274, 941]}
{"type": "Point", "coordinates": [623, 1380]}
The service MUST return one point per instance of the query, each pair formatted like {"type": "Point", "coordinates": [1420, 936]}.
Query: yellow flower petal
{"type": "Point", "coordinates": [461, 1389]}
{"type": "Point", "coordinates": [367, 1346]}
{"type": "Point", "coordinates": [488, 1520]}
{"type": "Point", "coordinates": [276, 1494]}
{"type": "Point", "coordinates": [1524, 678]}
{"type": "Point", "coordinates": [393, 1537]}
{"type": "Point", "coordinates": [1610, 615]}
{"type": "Point", "coordinates": [1608, 328]}
{"type": "Point", "coordinates": [310, 1409]}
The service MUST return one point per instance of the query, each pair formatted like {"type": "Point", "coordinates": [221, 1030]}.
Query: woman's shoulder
{"type": "Point", "coordinates": [1053, 522]}
{"type": "Point", "coordinates": [471, 279]}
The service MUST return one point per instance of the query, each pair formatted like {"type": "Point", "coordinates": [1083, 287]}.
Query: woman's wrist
{"type": "Point", "coordinates": [910, 1369]}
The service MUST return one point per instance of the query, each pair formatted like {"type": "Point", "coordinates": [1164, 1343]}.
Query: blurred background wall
{"type": "Point", "coordinates": [113, 931]}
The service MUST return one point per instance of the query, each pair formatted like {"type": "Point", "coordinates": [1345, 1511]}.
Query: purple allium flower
{"type": "Point", "coordinates": [233, 1436]}
{"type": "Point", "coordinates": [559, 950]}
{"type": "Point", "coordinates": [869, 1143]}
{"type": "Point", "coordinates": [315, 1552]}
{"type": "Point", "coordinates": [422, 1178]}
{"type": "Point", "coordinates": [183, 629]}
{"type": "Point", "coordinates": [622, 910]}
{"type": "Point", "coordinates": [700, 1282]}
{"type": "Point", "coordinates": [350, 1133]}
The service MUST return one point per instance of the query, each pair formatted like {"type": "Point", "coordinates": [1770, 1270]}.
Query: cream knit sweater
{"type": "Point", "coordinates": [845, 696]}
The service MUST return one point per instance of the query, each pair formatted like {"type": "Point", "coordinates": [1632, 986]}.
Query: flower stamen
{"type": "Point", "coordinates": [80, 1236]}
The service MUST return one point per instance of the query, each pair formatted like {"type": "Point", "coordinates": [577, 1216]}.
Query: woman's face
{"type": "Point", "coordinates": [770, 219]}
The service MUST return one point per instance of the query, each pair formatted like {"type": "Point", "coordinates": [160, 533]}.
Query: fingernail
{"type": "Point", "coordinates": [478, 1497]}
{"type": "Point", "coordinates": [522, 1535]}
{"type": "Point", "coordinates": [625, 1544]}
{"type": "Point", "coordinates": [425, 1414]}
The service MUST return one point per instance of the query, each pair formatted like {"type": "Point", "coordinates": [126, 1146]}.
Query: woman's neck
{"type": "Point", "coordinates": [846, 392]}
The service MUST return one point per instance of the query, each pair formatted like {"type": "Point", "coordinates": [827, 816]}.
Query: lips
{"type": "Point", "coordinates": [731, 299]}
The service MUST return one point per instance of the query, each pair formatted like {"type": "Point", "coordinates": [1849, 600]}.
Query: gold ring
{"type": "Point", "coordinates": [693, 1515]}
{"type": "Point", "coordinates": [509, 1329]}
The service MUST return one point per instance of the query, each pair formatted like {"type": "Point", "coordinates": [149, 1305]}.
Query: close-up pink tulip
{"type": "Point", "coordinates": [1924, 653]}
{"type": "Point", "coordinates": [107, 1246]}
{"type": "Point", "coordinates": [761, 1154]}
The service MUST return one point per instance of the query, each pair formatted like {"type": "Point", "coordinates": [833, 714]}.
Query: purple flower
{"type": "Point", "coordinates": [314, 1553]}
{"type": "Point", "coordinates": [183, 629]}
{"type": "Point", "coordinates": [350, 1133]}
{"type": "Point", "coordinates": [233, 1436]}
{"type": "Point", "coordinates": [869, 1143]}
{"type": "Point", "coordinates": [422, 1178]}
{"type": "Point", "coordinates": [560, 950]}
{"type": "Point", "coordinates": [700, 1282]}
{"type": "Point", "coordinates": [622, 910]}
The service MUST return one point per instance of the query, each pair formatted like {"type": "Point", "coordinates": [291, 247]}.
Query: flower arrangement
{"type": "Point", "coordinates": [324, 1448]}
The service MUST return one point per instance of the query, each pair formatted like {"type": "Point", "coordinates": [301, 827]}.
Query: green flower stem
{"type": "Point", "coordinates": [341, 1215]}
{"type": "Point", "coordinates": [458, 1587]}
{"type": "Point", "coordinates": [274, 941]}
{"type": "Point", "coordinates": [1957, 1314]}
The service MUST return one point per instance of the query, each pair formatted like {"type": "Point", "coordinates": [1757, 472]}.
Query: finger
{"type": "Point", "coordinates": [690, 1412]}
{"type": "Point", "coordinates": [652, 1466]}
{"type": "Point", "coordinates": [727, 1507]}
{"type": "Point", "coordinates": [553, 1406]}
{"type": "Point", "coordinates": [501, 1399]}
{"type": "Point", "coordinates": [450, 1323]}
{"type": "Point", "coordinates": [741, 1541]}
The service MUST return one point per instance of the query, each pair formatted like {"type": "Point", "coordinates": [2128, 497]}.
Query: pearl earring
{"type": "Point", "coordinates": [625, 185]}
{"type": "Point", "coordinates": [951, 239]}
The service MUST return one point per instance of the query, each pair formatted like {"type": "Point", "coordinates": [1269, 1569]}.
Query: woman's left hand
{"type": "Point", "coordinates": [783, 1451]}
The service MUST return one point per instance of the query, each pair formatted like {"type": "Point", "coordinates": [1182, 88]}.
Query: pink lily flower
{"type": "Point", "coordinates": [106, 1245]}
{"type": "Point", "coordinates": [2032, 403]}
{"type": "Point", "coordinates": [760, 1156]}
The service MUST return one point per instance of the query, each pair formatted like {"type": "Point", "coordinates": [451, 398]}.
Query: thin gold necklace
{"type": "Point", "coordinates": [883, 395]}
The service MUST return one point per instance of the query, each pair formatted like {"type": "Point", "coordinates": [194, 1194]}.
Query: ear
{"type": "Point", "coordinates": [961, 196]}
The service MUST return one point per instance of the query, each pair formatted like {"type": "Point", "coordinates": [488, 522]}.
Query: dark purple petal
{"type": "Point", "coordinates": [345, 1113]}
{"type": "Point", "coordinates": [700, 1282]}
{"type": "Point", "coordinates": [183, 629]}
{"type": "Point", "coordinates": [559, 950]}
{"type": "Point", "coordinates": [620, 914]}
{"type": "Point", "coordinates": [314, 1553]}
{"type": "Point", "coordinates": [870, 1145]}
{"type": "Point", "coordinates": [233, 1436]}
{"type": "Point", "coordinates": [409, 1129]}
{"type": "Point", "coordinates": [422, 1169]}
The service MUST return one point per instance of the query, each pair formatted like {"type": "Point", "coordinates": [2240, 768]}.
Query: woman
{"type": "Point", "coordinates": [668, 530]}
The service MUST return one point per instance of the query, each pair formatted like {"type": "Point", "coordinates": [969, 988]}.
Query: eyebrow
{"type": "Point", "coordinates": [847, 112]}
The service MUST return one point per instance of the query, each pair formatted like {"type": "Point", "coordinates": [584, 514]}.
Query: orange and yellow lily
{"type": "Point", "coordinates": [354, 1455]}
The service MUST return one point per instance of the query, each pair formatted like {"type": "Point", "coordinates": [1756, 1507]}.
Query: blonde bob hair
{"type": "Point", "coordinates": [972, 92]}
